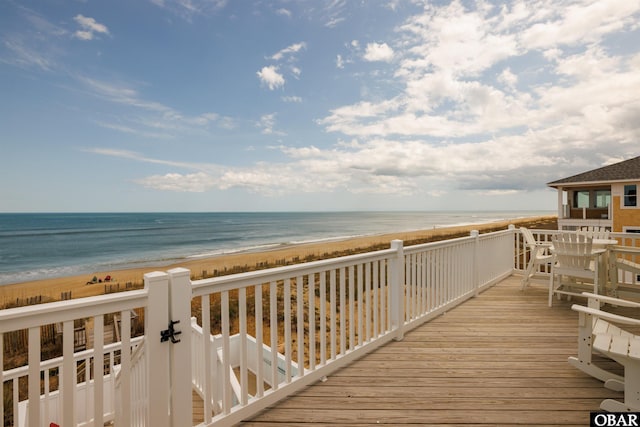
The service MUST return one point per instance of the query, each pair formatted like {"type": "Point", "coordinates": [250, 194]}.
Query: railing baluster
{"type": "Point", "coordinates": [209, 392]}
{"type": "Point", "coordinates": [352, 319]}
{"type": "Point", "coordinates": [375, 285]}
{"type": "Point", "coordinates": [98, 370]}
{"type": "Point", "coordinates": [430, 280]}
{"type": "Point", "coordinates": [360, 295]}
{"type": "Point", "coordinates": [384, 314]}
{"type": "Point", "coordinates": [343, 312]}
{"type": "Point", "coordinates": [367, 305]}
{"type": "Point", "coordinates": [259, 342]}
{"type": "Point", "coordinates": [323, 317]}
{"type": "Point", "coordinates": [311, 278]}
{"type": "Point", "coordinates": [69, 374]}
{"type": "Point", "coordinates": [300, 326]}
{"type": "Point", "coordinates": [414, 286]}
{"type": "Point", "coordinates": [273, 329]}
{"type": "Point", "coordinates": [384, 300]}
{"type": "Point", "coordinates": [16, 397]}
{"type": "Point", "coordinates": [244, 380]}
{"type": "Point", "coordinates": [287, 328]}
{"type": "Point", "coordinates": [332, 311]}
{"type": "Point", "coordinates": [125, 364]}
{"type": "Point", "coordinates": [227, 391]}
{"type": "Point", "coordinates": [423, 282]}
{"type": "Point", "coordinates": [46, 410]}
{"type": "Point", "coordinates": [34, 376]}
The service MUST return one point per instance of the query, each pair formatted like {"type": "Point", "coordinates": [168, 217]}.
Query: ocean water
{"type": "Point", "coordinates": [37, 246]}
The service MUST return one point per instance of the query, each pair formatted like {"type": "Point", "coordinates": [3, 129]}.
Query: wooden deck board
{"type": "Point", "coordinates": [499, 359]}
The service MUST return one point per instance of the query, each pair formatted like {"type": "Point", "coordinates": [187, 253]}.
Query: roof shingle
{"type": "Point", "coordinates": [622, 171]}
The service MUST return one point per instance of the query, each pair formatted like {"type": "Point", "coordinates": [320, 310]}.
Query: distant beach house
{"type": "Point", "coordinates": [605, 197]}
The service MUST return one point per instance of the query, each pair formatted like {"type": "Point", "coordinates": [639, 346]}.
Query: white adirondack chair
{"type": "Point", "coordinates": [592, 322]}
{"type": "Point", "coordinates": [623, 268]}
{"type": "Point", "coordinates": [597, 332]}
{"type": "Point", "coordinates": [574, 266]}
{"type": "Point", "coordinates": [594, 232]}
{"type": "Point", "coordinates": [539, 256]}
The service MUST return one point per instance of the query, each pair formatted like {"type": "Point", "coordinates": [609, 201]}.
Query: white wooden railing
{"type": "Point", "coordinates": [313, 319]}
{"type": "Point", "coordinates": [323, 315]}
{"type": "Point", "coordinates": [73, 402]}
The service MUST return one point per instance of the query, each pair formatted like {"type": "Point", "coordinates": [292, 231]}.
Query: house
{"type": "Point", "coordinates": [605, 197]}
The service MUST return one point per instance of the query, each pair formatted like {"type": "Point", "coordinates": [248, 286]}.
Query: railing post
{"type": "Point", "coordinates": [157, 352]}
{"type": "Point", "coordinates": [476, 259]}
{"type": "Point", "coordinates": [180, 311]}
{"type": "Point", "coordinates": [397, 290]}
{"type": "Point", "coordinates": [516, 234]}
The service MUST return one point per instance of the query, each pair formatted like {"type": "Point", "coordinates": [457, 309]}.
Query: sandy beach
{"type": "Point", "coordinates": [52, 289]}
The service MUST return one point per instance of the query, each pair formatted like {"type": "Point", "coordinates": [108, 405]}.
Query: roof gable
{"type": "Point", "coordinates": [622, 171]}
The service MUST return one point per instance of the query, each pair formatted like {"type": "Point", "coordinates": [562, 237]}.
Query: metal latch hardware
{"type": "Point", "coordinates": [170, 333]}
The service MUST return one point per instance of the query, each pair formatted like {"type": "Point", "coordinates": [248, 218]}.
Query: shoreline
{"type": "Point", "coordinates": [76, 286]}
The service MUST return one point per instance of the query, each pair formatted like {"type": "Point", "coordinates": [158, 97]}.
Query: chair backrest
{"type": "Point", "coordinates": [573, 250]}
{"type": "Point", "coordinates": [594, 232]}
{"type": "Point", "coordinates": [528, 236]}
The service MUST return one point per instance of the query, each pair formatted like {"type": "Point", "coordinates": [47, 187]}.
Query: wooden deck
{"type": "Point", "coordinates": [499, 359]}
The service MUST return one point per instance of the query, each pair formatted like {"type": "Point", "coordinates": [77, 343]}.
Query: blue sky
{"type": "Point", "coordinates": [214, 105]}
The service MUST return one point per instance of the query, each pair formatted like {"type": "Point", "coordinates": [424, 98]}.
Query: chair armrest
{"type": "Point", "coordinates": [625, 249]}
{"type": "Point", "coordinates": [611, 300]}
{"type": "Point", "coordinates": [605, 315]}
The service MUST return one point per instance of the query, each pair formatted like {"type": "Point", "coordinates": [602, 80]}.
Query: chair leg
{"type": "Point", "coordinates": [527, 275]}
{"type": "Point", "coordinates": [551, 288]}
{"type": "Point", "coordinates": [631, 388]}
{"type": "Point", "coordinates": [597, 372]}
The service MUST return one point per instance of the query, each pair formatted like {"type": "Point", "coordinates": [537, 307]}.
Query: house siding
{"type": "Point", "coordinates": [623, 216]}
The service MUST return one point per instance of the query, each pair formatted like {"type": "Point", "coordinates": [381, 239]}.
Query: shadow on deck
{"type": "Point", "coordinates": [499, 359]}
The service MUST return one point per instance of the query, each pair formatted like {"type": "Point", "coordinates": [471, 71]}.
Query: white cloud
{"type": "Point", "coordinates": [284, 12]}
{"type": "Point", "coordinates": [482, 100]}
{"type": "Point", "coordinates": [486, 130]}
{"type": "Point", "coordinates": [25, 56]}
{"type": "Point", "coordinates": [192, 183]}
{"type": "Point", "coordinates": [267, 123]}
{"type": "Point", "coordinates": [295, 99]}
{"type": "Point", "coordinates": [89, 27]}
{"type": "Point", "coordinates": [507, 78]}
{"type": "Point", "coordinates": [270, 77]}
{"type": "Point", "coordinates": [289, 51]}
{"type": "Point", "coordinates": [187, 9]}
{"type": "Point", "coordinates": [378, 52]}
{"type": "Point", "coordinates": [151, 119]}
{"type": "Point", "coordinates": [579, 23]}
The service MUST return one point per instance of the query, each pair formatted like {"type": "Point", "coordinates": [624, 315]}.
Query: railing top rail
{"type": "Point", "coordinates": [449, 242]}
{"type": "Point", "coordinates": [434, 245]}
{"type": "Point", "coordinates": [12, 319]}
{"type": "Point", "coordinates": [234, 281]}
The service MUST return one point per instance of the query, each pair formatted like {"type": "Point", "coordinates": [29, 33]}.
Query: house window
{"type": "Point", "coordinates": [603, 198]}
{"type": "Point", "coordinates": [581, 199]}
{"type": "Point", "coordinates": [630, 195]}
